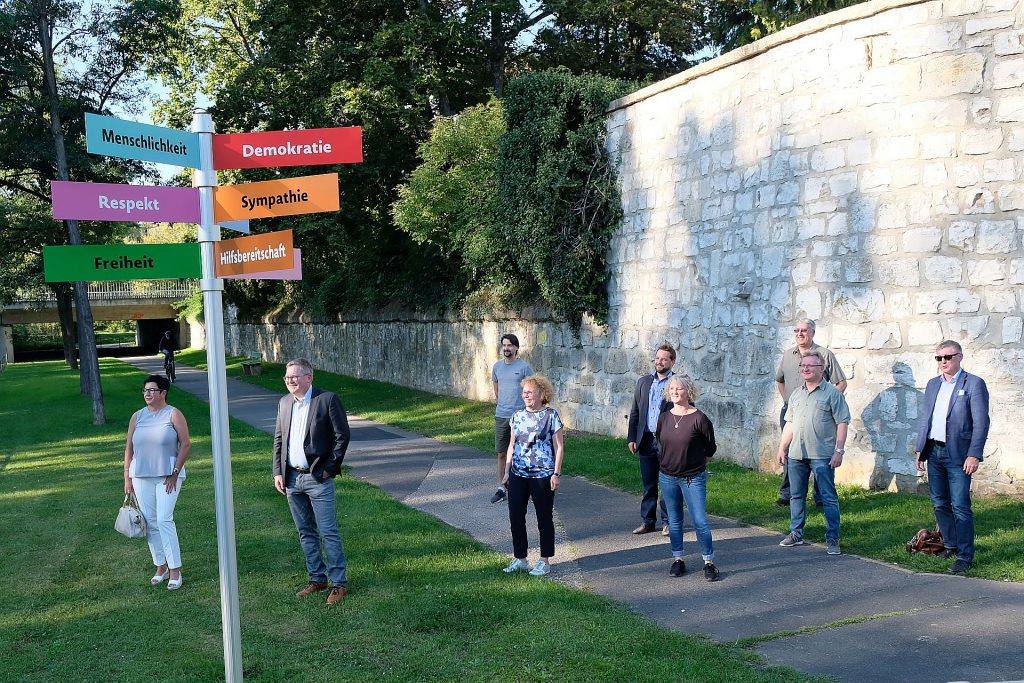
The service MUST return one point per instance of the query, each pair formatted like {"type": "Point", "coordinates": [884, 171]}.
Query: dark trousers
{"type": "Point", "coordinates": [649, 470]}
{"type": "Point", "coordinates": [520, 491]}
{"type": "Point", "coordinates": [950, 489]}
{"type": "Point", "coordinates": [784, 488]}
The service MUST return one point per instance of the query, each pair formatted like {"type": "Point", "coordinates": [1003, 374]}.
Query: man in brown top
{"type": "Point", "coordinates": [788, 379]}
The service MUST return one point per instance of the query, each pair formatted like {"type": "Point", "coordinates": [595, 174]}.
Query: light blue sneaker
{"type": "Point", "coordinates": [517, 565]}
{"type": "Point", "coordinates": [542, 568]}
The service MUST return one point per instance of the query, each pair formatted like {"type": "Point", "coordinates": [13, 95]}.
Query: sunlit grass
{"type": "Point", "coordinates": [427, 603]}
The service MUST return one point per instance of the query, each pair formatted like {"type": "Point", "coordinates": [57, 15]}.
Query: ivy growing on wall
{"type": "Point", "coordinates": [557, 187]}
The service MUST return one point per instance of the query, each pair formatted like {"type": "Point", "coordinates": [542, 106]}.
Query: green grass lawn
{"type": "Point", "coordinates": [427, 603]}
{"type": "Point", "coordinates": [875, 524]}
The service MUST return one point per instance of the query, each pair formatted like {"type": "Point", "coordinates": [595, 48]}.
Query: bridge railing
{"type": "Point", "coordinates": [115, 291]}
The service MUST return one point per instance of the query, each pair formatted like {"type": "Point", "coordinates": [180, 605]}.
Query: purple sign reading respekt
{"type": "Point", "coordinates": [112, 202]}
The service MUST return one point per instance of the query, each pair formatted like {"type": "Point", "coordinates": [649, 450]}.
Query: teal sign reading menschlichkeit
{"type": "Point", "coordinates": [129, 140]}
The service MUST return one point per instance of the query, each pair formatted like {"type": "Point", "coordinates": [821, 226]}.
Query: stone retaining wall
{"type": "Point", "coordinates": [862, 169]}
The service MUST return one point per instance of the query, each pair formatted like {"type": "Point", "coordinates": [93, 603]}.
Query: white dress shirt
{"type": "Point", "coordinates": [297, 433]}
{"type": "Point", "coordinates": [941, 410]}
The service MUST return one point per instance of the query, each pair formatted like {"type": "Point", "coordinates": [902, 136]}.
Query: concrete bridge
{"type": "Point", "coordinates": [146, 302]}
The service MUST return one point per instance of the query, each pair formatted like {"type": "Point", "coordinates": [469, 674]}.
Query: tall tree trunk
{"type": "Point", "coordinates": [66, 316]}
{"type": "Point", "coordinates": [90, 367]}
{"type": "Point", "coordinates": [496, 50]}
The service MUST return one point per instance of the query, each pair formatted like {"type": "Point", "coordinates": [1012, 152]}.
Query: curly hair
{"type": "Point", "coordinates": [543, 384]}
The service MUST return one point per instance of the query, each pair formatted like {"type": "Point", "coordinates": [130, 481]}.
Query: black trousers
{"type": "Point", "coordinates": [649, 469]}
{"type": "Point", "coordinates": [520, 490]}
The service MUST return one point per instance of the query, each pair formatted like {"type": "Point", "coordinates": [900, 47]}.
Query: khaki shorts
{"type": "Point", "coordinates": [502, 434]}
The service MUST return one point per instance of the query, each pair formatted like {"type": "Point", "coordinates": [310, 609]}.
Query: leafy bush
{"type": "Point", "coordinates": [450, 200]}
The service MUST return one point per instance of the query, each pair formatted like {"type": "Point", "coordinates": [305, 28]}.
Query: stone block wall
{"type": "Point", "coordinates": [862, 169]}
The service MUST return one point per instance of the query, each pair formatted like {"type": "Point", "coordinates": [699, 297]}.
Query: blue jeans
{"type": "Point", "coordinates": [784, 487]}
{"type": "Point", "coordinates": [950, 488]}
{"type": "Point", "coordinates": [799, 474]}
{"type": "Point", "coordinates": [312, 506]}
{"type": "Point", "coordinates": [692, 490]}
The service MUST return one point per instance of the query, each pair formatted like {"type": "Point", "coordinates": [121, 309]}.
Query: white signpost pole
{"type": "Point", "coordinates": [205, 178]}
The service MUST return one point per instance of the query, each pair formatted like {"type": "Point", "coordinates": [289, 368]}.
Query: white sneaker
{"type": "Point", "coordinates": [541, 569]}
{"type": "Point", "coordinates": [517, 565]}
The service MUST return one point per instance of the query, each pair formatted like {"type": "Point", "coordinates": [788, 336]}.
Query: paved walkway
{"type": "Point", "coordinates": [869, 621]}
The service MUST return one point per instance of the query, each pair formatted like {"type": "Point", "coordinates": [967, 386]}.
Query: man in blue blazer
{"type": "Point", "coordinates": [951, 440]}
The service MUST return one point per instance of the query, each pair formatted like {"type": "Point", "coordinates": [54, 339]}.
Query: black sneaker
{"type": "Point", "coordinates": [498, 496]}
{"type": "Point", "coordinates": [678, 567]}
{"type": "Point", "coordinates": [959, 567]}
{"type": "Point", "coordinates": [710, 571]}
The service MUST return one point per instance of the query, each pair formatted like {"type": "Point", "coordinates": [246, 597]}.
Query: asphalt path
{"type": "Point", "coordinates": [844, 616]}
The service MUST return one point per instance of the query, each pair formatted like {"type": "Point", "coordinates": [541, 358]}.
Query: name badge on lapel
{"type": "Point", "coordinates": [961, 392]}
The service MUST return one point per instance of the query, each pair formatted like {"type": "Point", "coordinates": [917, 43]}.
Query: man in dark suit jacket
{"type": "Point", "coordinates": [310, 441]}
{"type": "Point", "coordinates": [951, 441]}
{"type": "Point", "coordinates": [648, 404]}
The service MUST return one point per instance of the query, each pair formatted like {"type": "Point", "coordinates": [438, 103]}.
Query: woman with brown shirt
{"type": "Point", "coordinates": [686, 439]}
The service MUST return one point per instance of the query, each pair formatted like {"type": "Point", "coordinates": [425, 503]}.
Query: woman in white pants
{"type": "Point", "coordinates": [154, 468]}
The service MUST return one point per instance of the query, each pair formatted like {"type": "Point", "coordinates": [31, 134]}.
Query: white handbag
{"type": "Point", "coordinates": [130, 521]}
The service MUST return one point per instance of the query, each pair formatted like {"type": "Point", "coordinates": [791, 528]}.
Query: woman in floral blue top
{"type": "Point", "coordinates": [533, 467]}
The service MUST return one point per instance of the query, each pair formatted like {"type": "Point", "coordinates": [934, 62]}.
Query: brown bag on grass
{"type": "Point", "coordinates": [925, 541]}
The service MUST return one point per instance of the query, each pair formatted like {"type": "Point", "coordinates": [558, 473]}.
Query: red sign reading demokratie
{"type": "Point", "coordinates": [310, 147]}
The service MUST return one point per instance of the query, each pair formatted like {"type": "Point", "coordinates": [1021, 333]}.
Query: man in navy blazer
{"type": "Point", "coordinates": [648, 404]}
{"type": "Point", "coordinates": [951, 441]}
{"type": "Point", "coordinates": [310, 441]}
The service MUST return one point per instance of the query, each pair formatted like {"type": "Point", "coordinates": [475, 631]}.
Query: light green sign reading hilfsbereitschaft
{"type": "Point", "coordinates": [89, 262]}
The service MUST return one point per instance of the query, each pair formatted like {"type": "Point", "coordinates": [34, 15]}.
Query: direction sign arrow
{"type": "Point", "coordinates": [293, 273]}
{"type": "Point", "coordinates": [112, 202]}
{"type": "Point", "coordinates": [89, 262]}
{"type": "Point", "coordinates": [308, 194]}
{"type": "Point", "coordinates": [310, 147]}
{"type": "Point", "coordinates": [130, 140]}
{"type": "Point", "coordinates": [253, 254]}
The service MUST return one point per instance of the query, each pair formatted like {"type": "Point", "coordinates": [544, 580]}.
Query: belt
{"type": "Point", "coordinates": [937, 443]}
{"type": "Point", "coordinates": [300, 470]}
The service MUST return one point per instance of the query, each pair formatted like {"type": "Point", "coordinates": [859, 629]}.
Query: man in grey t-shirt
{"type": "Point", "coordinates": [507, 376]}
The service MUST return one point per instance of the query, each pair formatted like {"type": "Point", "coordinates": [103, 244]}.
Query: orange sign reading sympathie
{"type": "Point", "coordinates": [309, 194]}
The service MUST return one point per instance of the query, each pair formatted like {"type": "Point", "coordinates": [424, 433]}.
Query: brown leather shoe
{"type": "Point", "coordinates": [644, 529]}
{"type": "Point", "coordinates": [311, 588]}
{"type": "Point", "coordinates": [337, 594]}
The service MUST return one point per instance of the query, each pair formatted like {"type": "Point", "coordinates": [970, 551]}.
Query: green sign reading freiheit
{"type": "Point", "coordinates": [90, 262]}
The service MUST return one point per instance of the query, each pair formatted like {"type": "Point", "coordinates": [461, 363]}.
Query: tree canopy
{"type": "Point", "coordinates": [400, 69]}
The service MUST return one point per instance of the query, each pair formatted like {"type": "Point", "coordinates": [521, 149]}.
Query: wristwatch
{"type": "Point", "coordinates": [175, 471]}
{"type": "Point", "coordinates": [840, 451]}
